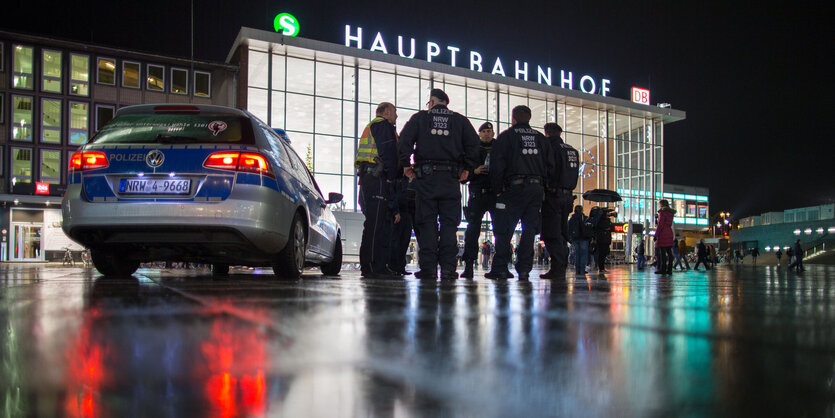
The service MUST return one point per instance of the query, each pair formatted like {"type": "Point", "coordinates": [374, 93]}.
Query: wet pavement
{"type": "Point", "coordinates": [738, 341]}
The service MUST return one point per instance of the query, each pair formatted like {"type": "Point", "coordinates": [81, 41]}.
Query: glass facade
{"type": "Point", "coordinates": [324, 101]}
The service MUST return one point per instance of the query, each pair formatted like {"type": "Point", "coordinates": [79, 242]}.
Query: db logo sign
{"type": "Point", "coordinates": [640, 95]}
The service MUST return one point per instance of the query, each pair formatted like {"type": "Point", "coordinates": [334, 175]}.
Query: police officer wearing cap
{"type": "Point", "coordinates": [481, 199]}
{"type": "Point", "coordinates": [445, 148]}
{"type": "Point", "coordinates": [559, 201]}
{"type": "Point", "coordinates": [376, 165]}
{"type": "Point", "coordinates": [520, 164]}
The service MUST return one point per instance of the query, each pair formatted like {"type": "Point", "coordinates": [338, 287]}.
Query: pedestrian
{"type": "Point", "coordinates": [376, 164]}
{"type": "Point", "coordinates": [520, 164]}
{"type": "Point", "coordinates": [798, 257]}
{"type": "Point", "coordinates": [558, 202]}
{"type": "Point", "coordinates": [481, 198]}
{"type": "Point", "coordinates": [485, 255]}
{"type": "Point", "coordinates": [702, 254]}
{"type": "Point", "coordinates": [602, 238]}
{"type": "Point", "coordinates": [640, 250]}
{"type": "Point", "coordinates": [712, 251]}
{"type": "Point", "coordinates": [401, 236]}
{"type": "Point", "coordinates": [778, 254]}
{"type": "Point", "coordinates": [664, 238]}
{"type": "Point", "coordinates": [580, 233]}
{"type": "Point", "coordinates": [680, 252]}
{"type": "Point", "coordinates": [738, 256]}
{"type": "Point", "coordinates": [444, 145]}
{"type": "Point", "coordinates": [789, 255]}
{"type": "Point", "coordinates": [755, 252]}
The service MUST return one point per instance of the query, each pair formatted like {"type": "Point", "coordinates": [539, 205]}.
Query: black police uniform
{"type": "Point", "coordinates": [443, 143]}
{"type": "Point", "coordinates": [481, 200]}
{"type": "Point", "coordinates": [520, 163]}
{"type": "Point", "coordinates": [402, 231]}
{"type": "Point", "coordinates": [377, 200]}
{"type": "Point", "coordinates": [558, 205]}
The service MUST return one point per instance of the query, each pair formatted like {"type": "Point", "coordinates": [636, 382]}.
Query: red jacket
{"type": "Point", "coordinates": [664, 232]}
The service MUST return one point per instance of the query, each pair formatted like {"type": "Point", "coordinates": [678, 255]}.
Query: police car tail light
{"type": "Point", "coordinates": [88, 160]}
{"type": "Point", "coordinates": [248, 162]}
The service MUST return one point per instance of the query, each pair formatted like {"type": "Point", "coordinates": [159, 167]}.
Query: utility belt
{"type": "Point", "coordinates": [427, 168]}
{"type": "Point", "coordinates": [520, 180]}
{"type": "Point", "coordinates": [478, 191]}
{"type": "Point", "coordinates": [375, 170]}
{"type": "Point", "coordinates": [559, 190]}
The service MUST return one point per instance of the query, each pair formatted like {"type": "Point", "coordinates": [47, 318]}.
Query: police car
{"type": "Point", "coordinates": [197, 183]}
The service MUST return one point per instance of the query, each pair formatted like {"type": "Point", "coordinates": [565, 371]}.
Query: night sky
{"type": "Point", "coordinates": [752, 77]}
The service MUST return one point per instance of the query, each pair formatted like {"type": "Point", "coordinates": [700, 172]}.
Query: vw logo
{"type": "Point", "coordinates": [155, 158]}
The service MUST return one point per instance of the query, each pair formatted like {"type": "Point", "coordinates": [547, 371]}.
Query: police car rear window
{"type": "Point", "coordinates": [175, 129]}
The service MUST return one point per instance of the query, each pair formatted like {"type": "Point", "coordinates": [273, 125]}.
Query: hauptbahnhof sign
{"type": "Point", "coordinates": [475, 60]}
{"type": "Point", "coordinates": [288, 25]}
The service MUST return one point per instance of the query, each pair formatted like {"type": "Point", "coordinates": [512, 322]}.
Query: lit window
{"type": "Point", "coordinates": [51, 121]}
{"type": "Point", "coordinates": [79, 115]}
{"type": "Point", "coordinates": [51, 71]}
{"type": "Point", "coordinates": [104, 114]}
{"type": "Point", "coordinates": [831, 230]}
{"type": "Point", "coordinates": [767, 249]}
{"type": "Point", "coordinates": [179, 81]}
{"type": "Point", "coordinates": [21, 118]}
{"type": "Point", "coordinates": [21, 165]}
{"type": "Point", "coordinates": [106, 71]}
{"type": "Point", "coordinates": [130, 74]}
{"type": "Point", "coordinates": [808, 231]}
{"type": "Point", "coordinates": [819, 230]}
{"type": "Point", "coordinates": [156, 78]}
{"type": "Point", "coordinates": [23, 67]}
{"type": "Point", "coordinates": [79, 75]}
{"type": "Point", "coordinates": [51, 166]}
{"type": "Point", "coordinates": [202, 84]}
{"type": "Point", "coordinates": [797, 232]}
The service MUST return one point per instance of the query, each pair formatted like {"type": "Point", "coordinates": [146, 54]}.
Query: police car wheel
{"type": "Point", "coordinates": [109, 264]}
{"type": "Point", "coordinates": [333, 267]}
{"type": "Point", "coordinates": [290, 261]}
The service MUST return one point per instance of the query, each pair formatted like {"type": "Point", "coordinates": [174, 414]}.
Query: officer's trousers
{"type": "Point", "coordinates": [438, 202]}
{"type": "Point", "coordinates": [376, 230]}
{"type": "Point", "coordinates": [517, 203]}
{"type": "Point", "coordinates": [477, 205]}
{"type": "Point", "coordinates": [400, 237]}
{"type": "Point", "coordinates": [556, 208]}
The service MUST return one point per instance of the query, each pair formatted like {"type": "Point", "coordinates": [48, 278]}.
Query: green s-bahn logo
{"type": "Point", "coordinates": [287, 24]}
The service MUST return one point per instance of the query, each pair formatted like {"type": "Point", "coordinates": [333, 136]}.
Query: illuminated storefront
{"type": "Point", "coordinates": [323, 94]}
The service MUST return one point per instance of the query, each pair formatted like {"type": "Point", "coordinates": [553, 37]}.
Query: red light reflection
{"type": "Point", "coordinates": [85, 374]}
{"type": "Point", "coordinates": [236, 359]}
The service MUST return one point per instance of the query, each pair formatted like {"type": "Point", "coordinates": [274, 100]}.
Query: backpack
{"type": "Point", "coordinates": [570, 167]}
{"type": "Point", "coordinates": [588, 228]}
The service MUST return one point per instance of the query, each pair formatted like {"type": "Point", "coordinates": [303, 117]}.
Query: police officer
{"type": "Point", "coordinates": [481, 199]}
{"type": "Point", "coordinates": [520, 163]}
{"type": "Point", "coordinates": [445, 147]}
{"type": "Point", "coordinates": [558, 203]}
{"type": "Point", "coordinates": [376, 165]}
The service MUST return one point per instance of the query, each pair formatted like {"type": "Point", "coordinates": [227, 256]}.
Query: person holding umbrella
{"type": "Point", "coordinates": [664, 238]}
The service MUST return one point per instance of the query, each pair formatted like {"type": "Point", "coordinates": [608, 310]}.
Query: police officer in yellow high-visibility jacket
{"type": "Point", "coordinates": [376, 165]}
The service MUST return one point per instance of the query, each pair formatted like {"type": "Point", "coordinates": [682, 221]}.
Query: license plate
{"type": "Point", "coordinates": [154, 186]}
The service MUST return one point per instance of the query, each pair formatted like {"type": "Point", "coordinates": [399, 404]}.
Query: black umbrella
{"type": "Point", "coordinates": [602, 195]}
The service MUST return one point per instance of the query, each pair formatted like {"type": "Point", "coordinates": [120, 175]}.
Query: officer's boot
{"type": "Point", "coordinates": [468, 270]}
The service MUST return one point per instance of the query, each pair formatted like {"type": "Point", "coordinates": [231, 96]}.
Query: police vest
{"type": "Point", "coordinates": [570, 167]}
{"type": "Point", "coordinates": [528, 157]}
{"type": "Point", "coordinates": [367, 147]}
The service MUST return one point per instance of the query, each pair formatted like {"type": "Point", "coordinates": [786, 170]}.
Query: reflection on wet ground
{"type": "Point", "coordinates": [738, 341]}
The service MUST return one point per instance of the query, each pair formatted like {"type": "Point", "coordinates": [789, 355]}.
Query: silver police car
{"type": "Point", "coordinates": [197, 183]}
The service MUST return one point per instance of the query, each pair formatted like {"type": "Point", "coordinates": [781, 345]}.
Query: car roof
{"type": "Point", "coordinates": [187, 108]}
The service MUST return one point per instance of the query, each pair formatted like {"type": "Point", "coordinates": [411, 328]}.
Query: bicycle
{"type": "Point", "coordinates": [67, 257]}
